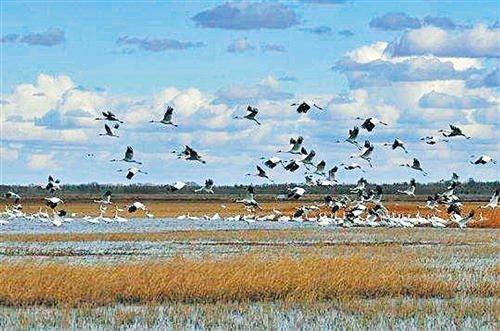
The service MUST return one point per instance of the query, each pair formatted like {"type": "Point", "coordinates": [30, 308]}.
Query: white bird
{"type": "Point", "coordinates": [330, 181]}
{"type": "Point", "coordinates": [352, 166]}
{"type": "Point", "coordinates": [13, 196]}
{"type": "Point", "coordinates": [189, 154]}
{"type": "Point", "coordinates": [167, 117]}
{"type": "Point", "coordinates": [131, 172]}
{"type": "Point", "coordinates": [129, 156]}
{"type": "Point", "coordinates": [249, 201]}
{"type": "Point", "coordinates": [303, 107]}
{"type": "Point", "coordinates": [320, 168]}
{"type": "Point", "coordinates": [493, 200]}
{"type": "Point", "coordinates": [177, 186]}
{"type": "Point", "coordinates": [453, 132]}
{"type": "Point", "coordinates": [109, 116]}
{"type": "Point", "coordinates": [108, 132]}
{"type": "Point", "coordinates": [431, 140]}
{"type": "Point", "coordinates": [370, 123]}
{"type": "Point", "coordinates": [53, 202]}
{"type": "Point", "coordinates": [105, 198]}
{"type": "Point", "coordinates": [482, 159]}
{"type": "Point", "coordinates": [295, 146]}
{"type": "Point", "coordinates": [397, 143]}
{"type": "Point", "coordinates": [360, 187]}
{"type": "Point", "coordinates": [410, 191]}
{"type": "Point", "coordinates": [208, 188]}
{"type": "Point", "coordinates": [353, 134]}
{"type": "Point", "coordinates": [307, 159]}
{"type": "Point", "coordinates": [261, 173]}
{"type": "Point", "coordinates": [117, 218]}
{"type": "Point", "coordinates": [295, 193]}
{"type": "Point", "coordinates": [416, 166]}
{"type": "Point", "coordinates": [251, 114]}
{"type": "Point", "coordinates": [136, 206]}
{"type": "Point", "coordinates": [365, 152]}
{"type": "Point", "coordinates": [271, 162]}
{"type": "Point", "coordinates": [53, 185]}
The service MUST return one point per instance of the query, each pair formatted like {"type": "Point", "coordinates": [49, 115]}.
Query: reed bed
{"type": "Point", "coordinates": [247, 278]}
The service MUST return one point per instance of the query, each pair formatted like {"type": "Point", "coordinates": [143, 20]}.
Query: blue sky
{"type": "Point", "coordinates": [419, 65]}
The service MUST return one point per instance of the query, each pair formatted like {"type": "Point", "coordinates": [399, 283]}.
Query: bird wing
{"type": "Point", "coordinates": [129, 153]}
{"type": "Point", "coordinates": [51, 179]}
{"type": "Point", "coordinates": [168, 114]}
{"type": "Point", "coordinates": [108, 129]}
{"type": "Point", "coordinates": [416, 163]}
{"type": "Point", "coordinates": [252, 110]}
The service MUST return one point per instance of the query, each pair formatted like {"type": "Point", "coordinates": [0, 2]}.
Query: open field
{"type": "Point", "coordinates": [307, 278]}
{"type": "Point", "coordinates": [169, 209]}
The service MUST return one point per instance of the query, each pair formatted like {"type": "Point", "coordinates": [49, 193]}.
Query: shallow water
{"type": "Point", "coordinates": [23, 226]}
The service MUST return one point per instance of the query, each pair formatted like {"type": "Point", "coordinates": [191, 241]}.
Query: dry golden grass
{"type": "Point", "coordinates": [200, 208]}
{"type": "Point", "coordinates": [247, 278]}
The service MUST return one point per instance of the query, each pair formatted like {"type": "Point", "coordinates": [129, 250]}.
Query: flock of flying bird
{"type": "Point", "coordinates": [364, 209]}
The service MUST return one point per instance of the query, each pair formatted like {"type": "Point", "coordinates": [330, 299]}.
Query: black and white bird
{"type": "Point", "coordinates": [493, 200]}
{"type": "Point", "coordinates": [249, 200]}
{"type": "Point", "coordinates": [410, 191]}
{"type": "Point", "coordinates": [251, 114]}
{"type": "Point", "coordinates": [131, 172]}
{"type": "Point", "coordinates": [320, 168]}
{"type": "Point", "coordinates": [14, 196]}
{"type": "Point", "coordinates": [352, 166]}
{"type": "Point", "coordinates": [370, 123]}
{"type": "Point", "coordinates": [360, 187]}
{"type": "Point", "coordinates": [53, 202]}
{"type": "Point", "coordinates": [366, 152]}
{"type": "Point", "coordinates": [167, 117]}
{"type": "Point", "coordinates": [177, 186]}
{"type": "Point", "coordinates": [272, 162]}
{"type": "Point", "coordinates": [303, 107]}
{"type": "Point", "coordinates": [108, 132]}
{"type": "Point", "coordinates": [291, 166]}
{"type": "Point", "coordinates": [129, 156]}
{"type": "Point", "coordinates": [53, 185]}
{"type": "Point", "coordinates": [431, 202]}
{"type": "Point", "coordinates": [454, 131]}
{"type": "Point", "coordinates": [295, 146]}
{"type": "Point", "coordinates": [482, 159]}
{"type": "Point", "coordinates": [307, 159]}
{"type": "Point", "coordinates": [261, 173]}
{"type": "Point", "coordinates": [208, 187]}
{"type": "Point", "coordinates": [189, 154]}
{"type": "Point", "coordinates": [108, 116]}
{"type": "Point", "coordinates": [397, 143]}
{"type": "Point", "coordinates": [105, 198]}
{"type": "Point", "coordinates": [456, 215]}
{"type": "Point", "coordinates": [295, 193]}
{"type": "Point", "coordinates": [416, 166]}
{"type": "Point", "coordinates": [431, 140]}
{"type": "Point", "coordinates": [353, 135]}
{"type": "Point", "coordinates": [330, 180]}
{"type": "Point", "coordinates": [136, 206]}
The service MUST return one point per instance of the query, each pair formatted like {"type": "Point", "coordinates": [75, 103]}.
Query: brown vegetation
{"type": "Point", "coordinates": [246, 278]}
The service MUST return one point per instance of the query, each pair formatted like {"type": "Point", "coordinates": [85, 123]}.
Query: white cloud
{"type": "Point", "coordinates": [8, 154]}
{"type": "Point", "coordinates": [42, 162]}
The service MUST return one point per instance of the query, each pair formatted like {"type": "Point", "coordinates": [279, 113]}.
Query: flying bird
{"type": "Point", "coordinates": [291, 166]}
{"type": "Point", "coordinates": [410, 191]}
{"type": "Point", "coordinates": [208, 188]}
{"type": "Point", "coordinates": [482, 159]}
{"type": "Point", "coordinates": [370, 123]}
{"type": "Point", "coordinates": [330, 181]}
{"type": "Point", "coordinates": [176, 186]}
{"type": "Point", "coordinates": [493, 200]}
{"type": "Point", "coordinates": [272, 162]}
{"type": "Point", "coordinates": [397, 143]}
{"type": "Point", "coordinates": [303, 107]}
{"type": "Point", "coordinates": [105, 198]}
{"type": "Point", "coordinates": [261, 173]}
{"type": "Point", "coordinates": [108, 116]}
{"type": "Point", "coordinates": [136, 206]}
{"type": "Point", "coordinates": [416, 166]}
{"type": "Point", "coordinates": [431, 140]}
{"type": "Point", "coordinates": [249, 201]}
{"type": "Point", "coordinates": [366, 152]}
{"type": "Point", "coordinates": [108, 132]}
{"type": "Point", "coordinates": [295, 146]}
{"type": "Point", "coordinates": [13, 196]}
{"type": "Point", "coordinates": [453, 132]}
{"type": "Point", "coordinates": [131, 172]}
{"type": "Point", "coordinates": [352, 166]}
{"type": "Point", "coordinates": [353, 134]}
{"type": "Point", "coordinates": [53, 185]}
{"type": "Point", "coordinates": [167, 117]}
{"type": "Point", "coordinates": [251, 114]}
{"type": "Point", "coordinates": [53, 202]}
{"type": "Point", "coordinates": [189, 154]}
{"type": "Point", "coordinates": [129, 156]}
{"type": "Point", "coordinates": [295, 193]}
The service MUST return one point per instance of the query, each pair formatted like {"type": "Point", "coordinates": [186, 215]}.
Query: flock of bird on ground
{"type": "Point", "coordinates": [363, 208]}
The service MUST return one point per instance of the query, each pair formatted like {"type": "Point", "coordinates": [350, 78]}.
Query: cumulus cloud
{"type": "Point", "coordinates": [265, 90]}
{"type": "Point", "coordinates": [491, 79]}
{"type": "Point", "coordinates": [443, 100]}
{"type": "Point", "coordinates": [158, 44]}
{"type": "Point", "coordinates": [8, 154]}
{"type": "Point", "coordinates": [47, 38]}
{"type": "Point", "coordinates": [479, 41]}
{"type": "Point", "coordinates": [395, 21]}
{"type": "Point", "coordinates": [241, 45]}
{"type": "Point", "coordinates": [42, 162]}
{"type": "Point", "coordinates": [248, 16]}
{"type": "Point", "coordinates": [445, 23]}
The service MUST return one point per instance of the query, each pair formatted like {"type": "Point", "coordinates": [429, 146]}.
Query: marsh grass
{"type": "Point", "coordinates": [248, 278]}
